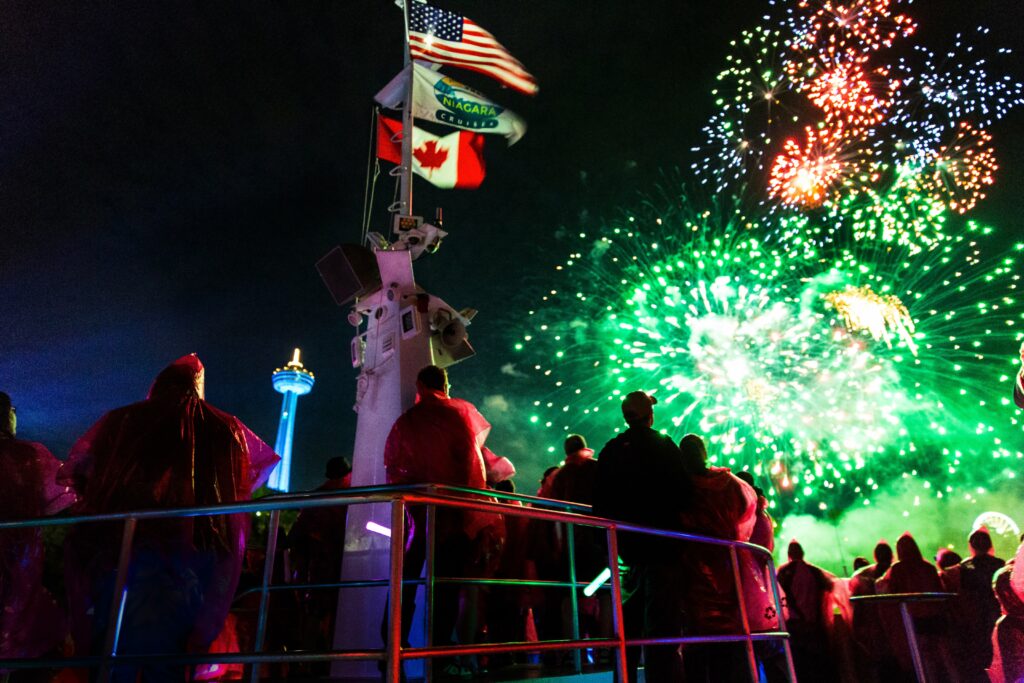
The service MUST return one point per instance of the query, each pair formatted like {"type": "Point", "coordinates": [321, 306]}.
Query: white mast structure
{"type": "Point", "coordinates": [406, 330]}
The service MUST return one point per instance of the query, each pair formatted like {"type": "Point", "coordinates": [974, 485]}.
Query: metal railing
{"type": "Point", "coordinates": [904, 600]}
{"type": "Point", "coordinates": [393, 654]}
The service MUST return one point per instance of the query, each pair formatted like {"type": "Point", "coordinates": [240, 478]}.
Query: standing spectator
{"type": "Point", "coordinates": [871, 646]}
{"type": "Point", "coordinates": [723, 506]}
{"type": "Point", "coordinates": [31, 624]}
{"type": "Point", "coordinates": [545, 561]}
{"type": "Point", "coordinates": [640, 479]}
{"type": "Point", "coordinates": [544, 489]}
{"type": "Point", "coordinates": [574, 482]}
{"type": "Point", "coordinates": [863, 580]}
{"type": "Point", "coordinates": [439, 441]}
{"type": "Point", "coordinates": [913, 574]}
{"type": "Point", "coordinates": [1008, 637]}
{"type": "Point", "coordinates": [757, 586]}
{"type": "Point", "coordinates": [315, 545]}
{"type": "Point", "coordinates": [980, 609]}
{"type": "Point", "coordinates": [1018, 382]}
{"type": "Point", "coordinates": [172, 450]}
{"type": "Point", "coordinates": [807, 590]}
{"type": "Point", "coordinates": [947, 562]}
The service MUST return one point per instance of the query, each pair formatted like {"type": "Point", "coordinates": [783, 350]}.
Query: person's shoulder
{"type": "Point", "coordinates": [663, 442]}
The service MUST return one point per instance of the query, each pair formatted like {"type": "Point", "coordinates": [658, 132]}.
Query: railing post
{"type": "Point", "coordinates": [774, 581]}
{"type": "Point", "coordinates": [393, 658]}
{"type": "Point", "coordinates": [268, 573]}
{"type": "Point", "coordinates": [574, 600]}
{"type": "Point", "coordinates": [915, 653]}
{"type": "Point", "coordinates": [118, 599]}
{"type": "Point", "coordinates": [428, 671]}
{"type": "Point", "coordinates": [751, 659]}
{"type": "Point", "coordinates": [620, 626]}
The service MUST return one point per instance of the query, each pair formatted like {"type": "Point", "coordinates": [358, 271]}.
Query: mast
{"type": "Point", "coordinates": [405, 197]}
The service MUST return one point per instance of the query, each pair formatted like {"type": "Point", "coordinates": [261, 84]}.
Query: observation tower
{"type": "Point", "coordinates": [293, 380]}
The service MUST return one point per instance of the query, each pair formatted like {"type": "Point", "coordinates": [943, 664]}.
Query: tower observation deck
{"type": "Point", "coordinates": [293, 380]}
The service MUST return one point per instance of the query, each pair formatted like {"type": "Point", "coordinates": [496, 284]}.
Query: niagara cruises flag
{"type": "Point", "coordinates": [444, 37]}
{"type": "Point", "coordinates": [455, 161]}
{"type": "Point", "coordinates": [441, 99]}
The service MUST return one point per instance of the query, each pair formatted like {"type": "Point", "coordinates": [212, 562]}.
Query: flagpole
{"type": "Point", "coordinates": [405, 199]}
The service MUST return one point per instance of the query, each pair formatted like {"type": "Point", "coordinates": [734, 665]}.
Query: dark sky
{"type": "Point", "coordinates": [170, 173]}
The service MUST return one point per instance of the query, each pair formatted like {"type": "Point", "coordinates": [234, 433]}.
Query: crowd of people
{"type": "Point", "coordinates": [188, 578]}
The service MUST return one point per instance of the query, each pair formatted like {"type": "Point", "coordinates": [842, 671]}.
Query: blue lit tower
{"type": "Point", "coordinates": [293, 380]}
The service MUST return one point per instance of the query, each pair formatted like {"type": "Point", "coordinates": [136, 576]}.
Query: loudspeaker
{"type": "Point", "coordinates": [349, 271]}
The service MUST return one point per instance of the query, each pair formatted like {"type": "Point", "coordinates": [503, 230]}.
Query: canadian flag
{"type": "Point", "coordinates": [453, 161]}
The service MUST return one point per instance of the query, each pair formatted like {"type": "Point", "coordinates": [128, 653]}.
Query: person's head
{"type": "Point", "coordinates": [505, 486]}
{"type": "Point", "coordinates": [980, 542]}
{"type": "Point", "coordinates": [545, 478]}
{"type": "Point", "coordinates": [638, 410]}
{"type": "Point", "coordinates": [907, 549]}
{"type": "Point", "coordinates": [184, 378]}
{"type": "Point", "coordinates": [432, 378]}
{"type": "Point", "coordinates": [883, 554]}
{"type": "Point", "coordinates": [573, 443]}
{"type": "Point", "coordinates": [695, 454]}
{"type": "Point", "coordinates": [795, 551]}
{"type": "Point", "coordinates": [860, 562]}
{"type": "Point", "coordinates": [946, 558]}
{"type": "Point", "coordinates": [8, 416]}
{"type": "Point", "coordinates": [338, 468]}
{"type": "Point", "coordinates": [749, 478]}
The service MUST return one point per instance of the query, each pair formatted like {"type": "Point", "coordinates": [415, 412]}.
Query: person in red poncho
{"type": "Point", "coordinates": [911, 573]}
{"type": "Point", "coordinates": [172, 450]}
{"type": "Point", "coordinates": [723, 506]}
{"type": "Point", "coordinates": [31, 624]}
{"type": "Point", "coordinates": [440, 440]}
{"type": "Point", "coordinates": [1008, 637]}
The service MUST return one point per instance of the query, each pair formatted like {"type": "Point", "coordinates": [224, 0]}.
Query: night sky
{"type": "Point", "coordinates": [171, 172]}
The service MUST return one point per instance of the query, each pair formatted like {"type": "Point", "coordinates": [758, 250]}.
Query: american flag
{"type": "Point", "coordinates": [447, 38]}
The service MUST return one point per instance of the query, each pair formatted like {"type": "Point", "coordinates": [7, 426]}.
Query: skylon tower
{"type": "Point", "coordinates": [293, 380]}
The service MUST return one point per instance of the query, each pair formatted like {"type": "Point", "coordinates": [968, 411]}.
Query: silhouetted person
{"type": "Point", "coordinates": [1008, 637]}
{"type": "Point", "coordinates": [574, 482]}
{"type": "Point", "coordinates": [439, 441]}
{"type": "Point", "coordinates": [315, 544]}
{"type": "Point", "coordinates": [1018, 382]}
{"type": "Point", "coordinates": [545, 561]}
{"type": "Point", "coordinates": [544, 489]}
{"type": "Point", "coordinates": [807, 589]}
{"type": "Point", "coordinates": [640, 479]}
{"type": "Point", "coordinates": [723, 506]}
{"type": "Point", "coordinates": [860, 562]}
{"type": "Point", "coordinates": [979, 605]}
{"type": "Point", "coordinates": [870, 642]}
{"type": "Point", "coordinates": [913, 574]}
{"type": "Point", "coordinates": [31, 624]}
{"type": "Point", "coordinates": [506, 606]}
{"type": "Point", "coordinates": [172, 450]}
{"type": "Point", "coordinates": [863, 580]}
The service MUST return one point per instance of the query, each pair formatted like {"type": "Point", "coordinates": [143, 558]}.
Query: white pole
{"type": "Point", "coordinates": [405, 199]}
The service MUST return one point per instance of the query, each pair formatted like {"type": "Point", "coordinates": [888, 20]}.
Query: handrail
{"type": "Point", "coordinates": [933, 596]}
{"type": "Point", "coordinates": [908, 619]}
{"type": "Point", "coordinates": [291, 501]}
{"type": "Point", "coordinates": [399, 498]}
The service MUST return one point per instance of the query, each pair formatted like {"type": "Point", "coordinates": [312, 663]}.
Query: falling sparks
{"type": "Point", "coordinates": [881, 316]}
